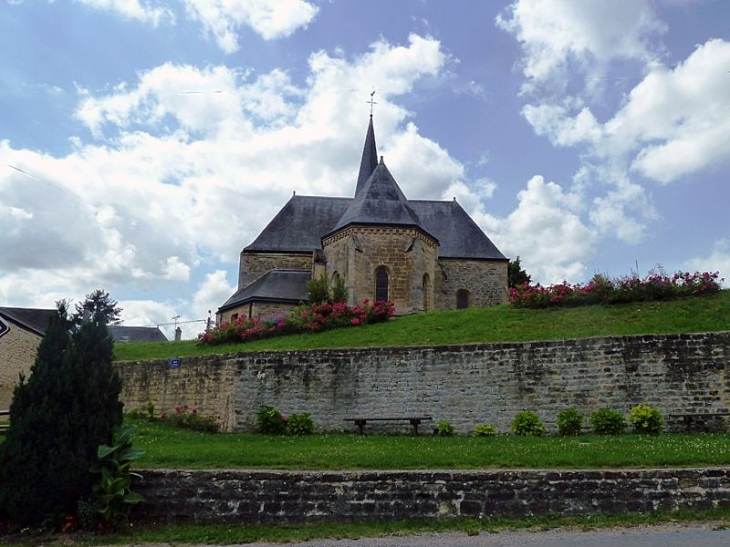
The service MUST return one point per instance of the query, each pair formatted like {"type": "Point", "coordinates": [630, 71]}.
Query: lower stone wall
{"type": "Point", "coordinates": [276, 496]}
{"type": "Point", "coordinates": [467, 385]}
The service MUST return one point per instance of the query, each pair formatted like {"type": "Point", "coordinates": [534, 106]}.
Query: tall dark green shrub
{"type": "Point", "coordinates": [67, 408]}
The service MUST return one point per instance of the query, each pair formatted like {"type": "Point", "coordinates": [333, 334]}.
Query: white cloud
{"type": "Point", "coordinates": [132, 9]}
{"type": "Point", "coordinates": [547, 233]}
{"type": "Point", "coordinates": [270, 20]}
{"type": "Point", "coordinates": [585, 36]}
{"type": "Point", "coordinates": [676, 118]}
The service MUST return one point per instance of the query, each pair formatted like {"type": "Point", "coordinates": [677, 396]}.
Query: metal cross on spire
{"type": "Point", "coordinates": [372, 103]}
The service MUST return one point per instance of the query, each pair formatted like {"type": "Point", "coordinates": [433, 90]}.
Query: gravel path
{"type": "Point", "coordinates": [669, 535]}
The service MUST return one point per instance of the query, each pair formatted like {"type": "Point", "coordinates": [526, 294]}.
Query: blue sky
{"type": "Point", "coordinates": [144, 143]}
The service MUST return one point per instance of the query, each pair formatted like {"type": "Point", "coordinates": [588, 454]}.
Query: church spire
{"type": "Point", "coordinates": [369, 160]}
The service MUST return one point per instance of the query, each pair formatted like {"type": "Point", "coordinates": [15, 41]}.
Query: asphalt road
{"type": "Point", "coordinates": [703, 535]}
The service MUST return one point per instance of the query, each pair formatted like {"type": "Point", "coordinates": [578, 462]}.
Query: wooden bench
{"type": "Point", "coordinates": [4, 425]}
{"type": "Point", "coordinates": [415, 421]}
{"type": "Point", "coordinates": [693, 419]}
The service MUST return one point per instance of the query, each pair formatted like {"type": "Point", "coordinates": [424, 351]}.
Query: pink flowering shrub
{"type": "Point", "coordinates": [602, 290]}
{"type": "Point", "coordinates": [186, 417]}
{"type": "Point", "coordinates": [305, 318]}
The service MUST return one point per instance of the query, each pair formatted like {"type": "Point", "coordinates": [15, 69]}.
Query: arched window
{"type": "Point", "coordinates": [462, 299]}
{"type": "Point", "coordinates": [381, 284]}
{"type": "Point", "coordinates": [426, 292]}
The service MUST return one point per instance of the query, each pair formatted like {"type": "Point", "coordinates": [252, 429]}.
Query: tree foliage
{"type": "Point", "coordinates": [516, 276]}
{"type": "Point", "coordinates": [67, 408]}
{"type": "Point", "coordinates": [99, 302]}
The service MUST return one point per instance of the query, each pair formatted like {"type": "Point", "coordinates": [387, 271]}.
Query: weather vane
{"type": "Point", "coordinates": [371, 102]}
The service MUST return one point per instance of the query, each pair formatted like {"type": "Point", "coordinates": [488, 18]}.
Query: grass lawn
{"type": "Point", "coordinates": [172, 448]}
{"type": "Point", "coordinates": [482, 325]}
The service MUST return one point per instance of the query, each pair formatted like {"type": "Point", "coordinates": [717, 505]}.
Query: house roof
{"type": "Point", "coordinates": [288, 286]}
{"type": "Point", "coordinates": [300, 224]}
{"type": "Point", "coordinates": [34, 319]}
{"type": "Point", "coordinates": [380, 201]}
{"type": "Point", "coordinates": [458, 235]}
{"type": "Point", "coordinates": [122, 333]}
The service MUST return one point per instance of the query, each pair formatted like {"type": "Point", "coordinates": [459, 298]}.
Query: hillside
{"type": "Point", "coordinates": [482, 325]}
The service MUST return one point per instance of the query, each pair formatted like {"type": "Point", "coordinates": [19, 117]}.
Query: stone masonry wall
{"type": "Point", "coordinates": [466, 384]}
{"type": "Point", "coordinates": [486, 281]}
{"type": "Point", "coordinates": [18, 349]}
{"type": "Point", "coordinates": [296, 496]}
{"type": "Point", "coordinates": [406, 253]}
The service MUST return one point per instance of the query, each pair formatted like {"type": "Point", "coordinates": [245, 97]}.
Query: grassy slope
{"type": "Point", "coordinates": [480, 325]}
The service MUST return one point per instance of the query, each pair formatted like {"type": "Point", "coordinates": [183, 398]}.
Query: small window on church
{"type": "Point", "coordinates": [462, 299]}
{"type": "Point", "coordinates": [381, 284]}
{"type": "Point", "coordinates": [234, 316]}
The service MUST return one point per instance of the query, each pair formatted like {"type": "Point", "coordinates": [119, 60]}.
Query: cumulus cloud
{"type": "Point", "coordinates": [586, 35]}
{"type": "Point", "coordinates": [222, 18]}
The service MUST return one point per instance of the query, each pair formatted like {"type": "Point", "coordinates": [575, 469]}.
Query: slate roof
{"type": "Point", "coordinates": [369, 160]}
{"type": "Point", "coordinates": [122, 333]}
{"type": "Point", "coordinates": [303, 221]}
{"type": "Point", "coordinates": [289, 286]}
{"type": "Point", "coordinates": [300, 224]}
{"type": "Point", "coordinates": [34, 319]}
{"type": "Point", "coordinates": [380, 201]}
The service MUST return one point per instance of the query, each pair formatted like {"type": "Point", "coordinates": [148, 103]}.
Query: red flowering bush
{"type": "Point", "coordinates": [189, 418]}
{"type": "Point", "coordinates": [309, 318]}
{"type": "Point", "coordinates": [602, 290]}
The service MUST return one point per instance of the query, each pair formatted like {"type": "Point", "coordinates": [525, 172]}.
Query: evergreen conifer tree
{"type": "Point", "coordinates": [68, 407]}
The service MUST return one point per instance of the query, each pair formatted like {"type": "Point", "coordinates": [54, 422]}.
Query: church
{"type": "Point", "coordinates": [422, 255]}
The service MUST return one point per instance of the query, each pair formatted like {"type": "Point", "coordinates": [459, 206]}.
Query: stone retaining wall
{"type": "Point", "coordinates": [465, 384]}
{"type": "Point", "coordinates": [297, 496]}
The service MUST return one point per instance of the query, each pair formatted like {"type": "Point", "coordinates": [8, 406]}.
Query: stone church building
{"type": "Point", "coordinates": [422, 255]}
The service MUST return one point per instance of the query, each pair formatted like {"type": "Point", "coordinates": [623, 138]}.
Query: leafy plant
{"type": "Point", "coordinates": [485, 430]}
{"type": "Point", "coordinates": [112, 494]}
{"type": "Point", "coordinates": [527, 424]}
{"type": "Point", "coordinates": [300, 424]}
{"type": "Point", "coordinates": [339, 290]}
{"type": "Point", "coordinates": [570, 422]}
{"type": "Point", "coordinates": [646, 419]}
{"type": "Point", "coordinates": [319, 290]}
{"type": "Point", "coordinates": [189, 418]}
{"type": "Point", "coordinates": [270, 421]}
{"type": "Point", "coordinates": [445, 429]}
{"type": "Point", "coordinates": [608, 422]}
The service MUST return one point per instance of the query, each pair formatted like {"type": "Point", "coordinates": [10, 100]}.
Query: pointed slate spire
{"type": "Point", "coordinates": [380, 201]}
{"type": "Point", "coordinates": [369, 160]}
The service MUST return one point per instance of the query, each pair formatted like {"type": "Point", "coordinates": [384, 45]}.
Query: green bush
{"type": "Point", "coordinates": [300, 424]}
{"type": "Point", "coordinates": [485, 430]}
{"type": "Point", "coordinates": [527, 424]}
{"type": "Point", "coordinates": [607, 422]}
{"type": "Point", "coordinates": [646, 419]}
{"type": "Point", "coordinates": [339, 290]}
{"type": "Point", "coordinates": [445, 429]}
{"type": "Point", "coordinates": [570, 422]}
{"type": "Point", "coordinates": [319, 290]}
{"type": "Point", "coordinates": [270, 421]}
{"type": "Point", "coordinates": [189, 418]}
{"type": "Point", "coordinates": [67, 408]}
